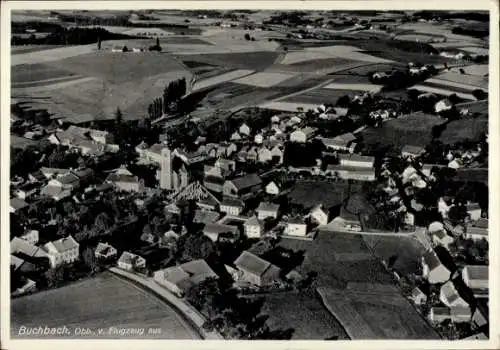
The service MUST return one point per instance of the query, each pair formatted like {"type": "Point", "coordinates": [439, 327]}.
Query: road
{"type": "Point", "coordinates": [189, 313]}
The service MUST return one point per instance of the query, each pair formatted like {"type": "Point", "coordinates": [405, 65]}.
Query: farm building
{"type": "Point", "coordinates": [433, 270]}
{"type": "Point", "coordinates": [319, 215]}
{"type": "Point", "coordinates": [350, 172]}
{"type": "Point", "coordinates": [243, 186]}
{"type": "Point", "coordinates": [255, 270]}
{"type": "Point", "coordinates": [178, 279]}
{"type": "Point", "coordinates": [273, 187]}
{"type": "Point", "coordinates": [214, 230]}
{"type": "Point", "coordinates": [409, 151]}
{"type": "Point", "coordinates": [356, 160]}
{"type": "Point", "coordinates": [105, 251]}
{"type": "Point", "coordinates": [450, 297]}
{"type": "Point", "coordinates": [344, 142]}
{"type": "Point", "coordinates": [477, 230]}
{"type": "Point", "coordinates": [418, 297]}
{"type": "Point", "coordinates": [296, 227]}
{"type": "Point", "coordinates": [125, 181]}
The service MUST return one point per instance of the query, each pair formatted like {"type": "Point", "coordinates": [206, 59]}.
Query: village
{"type": "Point", "coordinates": [253, 204]}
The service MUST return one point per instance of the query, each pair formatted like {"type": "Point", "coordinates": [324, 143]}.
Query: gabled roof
{"type": "Point", "coordinates": [341, 140]}
{"type": "Point", "coordinates": [449, 292]}
{"type": "Point", "coordinates": [55, 191]}
{"type": "Point", "coordinates": [63, 244]}
{"type": "Point", "coordinates": [431, 260]}
{"type": "Point", "coordinates": [114, 177]}
{"type": "Point", "coordinates": [68, 179]}
{"type": "Point", "coordinates": [83, 173]}
{"type": "Point", "coordinates": [195, 191]}
{"type": "Point", "coordinates": [18, 245]}
{"type": "Point", "coordinates": [266, 206]}
{"type": "Point", "coordinates": [219, 228]}
{"type": "Point", "coordinates": [246, 181]}
{"type": "Point", "coordinates": [205, 216]}
{"type": "Point", "coordinates": [129, 258]}
{"type": "Point", "coordinates": [232, 202]}
{"type": "Point", "coordinates": [252, 263]}
{"type": "Point", "coordinates": [477, 272]}
{"type": "Point", "coordinates": [357, 158]}
{"type": "Point", "coordinates": [253, 221]}
{"type": "Point", "coordinates": [17, 203]}
{"type": "Point", "coordinates": [412, 149]}
{"type": "Point", "coordinates": [481, 223]}
{"type": "Point", "coordinates": [103, 248]}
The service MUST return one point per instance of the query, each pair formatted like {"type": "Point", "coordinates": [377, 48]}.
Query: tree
{"type": "Point", "coordinates": [247, 36]}
{"type": "Point", "coordinates": [344, 101]}
{"type": "Point", "coordinates": [98, 43]}
{"type": "Point", "coordinates": [196, 246]}
{"type": "Point", "coordinates": [479, 94]}
{"type": "Point", "coordinates": [102, 222]}
{"type": "Point", "coordinates": [118, 116]}
{"type": "Point", "coordinates": [89, 259]}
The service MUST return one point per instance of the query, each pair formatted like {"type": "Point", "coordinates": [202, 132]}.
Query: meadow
{"type": "Point", "coordinates": [102, 301]}
{"type": "Point", "coordinates": [464, 130]}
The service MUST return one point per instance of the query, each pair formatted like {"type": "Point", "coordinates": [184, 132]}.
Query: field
{"type": "Point", "coordinates": [413, 130]}
{"type": "Point", "coordinates": [407, 250]}
{"type": "Point", "coordinates": [103, 301]}
{"type": "Point", "coordinates": [372, 314]}
{"type": "Point", "coordinates": [443, 91]}
{"type": "Point", "coordinates": [256, 60]}
{"type": "Point", "coordinates": [264, 79]}
{"type": "Point", "coordinates": [320, 96]}
{"type": "Point", "coordinates": [15, 50]}
{"type": "Point", "coordinates": [464, 129]}
{"type": "Point", "coordinates": [222, 78]}
{"type": "Point", "coordinates": [24, 74]}
{"type": "Point", "coordinates": [349, 53]}
{"type": "Point", "coordinates": [309, 194]}
{"type": "Point", "coordinates": [313, 322]}
{"type": "Point", "coordinates": [425, 38]}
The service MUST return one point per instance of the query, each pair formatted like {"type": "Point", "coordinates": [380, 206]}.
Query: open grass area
{"type": "Point", "coordinates": [415, 129]}
{"type": "Point", "coordinates": [303, 314]}
{"type": "Point", "coordinates": [309, 194]}
{"type": "Point", "coordinates": [117, 68]}
{"type": "Point", "coordinates": [321, 96]}
{"type": "Point", "coordinates": [103, 301]}
{"type": "Point", "coordinates": [35, 72]}
{"type": "Point", "coordinates": [408, 251]}
{"type": "Point", "coordinates": [256, 60]}
{"type": "Point", "coordinates": [464, 129]}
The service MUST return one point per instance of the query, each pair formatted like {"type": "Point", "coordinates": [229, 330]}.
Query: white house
{"type": "Point", "coordinates": [455, 164]}
{"type": "Point", "coordinates": [296, 227]}
{"type": "Point", "coordinates": [356, 160]}
{"type": "Point", "coordinates": [31, 236]}
{"type": "Point", "coordinates": [267, 210]}
{"type": "Point", "coordinates": [264, 155]}
{"type": "Point", "coordinates": [273, 188]}
{"type": "Point", "coordinates": [62, 251]}
{"type": "Point", "coordinates": [318, 215]}
{"type": "Point", "coordinates": [450, 297]}
{"type": "Point", "coordinates": [474, 211]}
{"type": "Point", "coordinates": [253, 227]}
{"type": "Point", "coordinates": [129, 261]}
{"type": "Point", "coordinates": [433, 270]}
{"type": "Point", "coordinates": [258, 139]}
{"type": "Point", "coordinates": [105, 251]}
{"type": "Point", "coordinates": [256, 271]}
{"type": "Point", "coordinates": [476, 276]}
{"type": "Point", "coordinates": [232, 206]}
{"type": "Point", "coordinates": [443, 105]}
{"type": "Point", "coordinates": [303, 135]}
{"type": "Point", "coordinates": [244, 130]}
{"type": "Point", "coordinates": [442, 238]}
{"type": "Point", "coordinates": [418, 297]}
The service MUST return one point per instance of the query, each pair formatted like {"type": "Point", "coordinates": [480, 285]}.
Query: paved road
{"type": "Point", "coordinates": [188, 312]}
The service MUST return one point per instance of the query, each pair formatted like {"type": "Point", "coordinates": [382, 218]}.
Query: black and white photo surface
{"type": "Point", "coordinates": [249, 174]}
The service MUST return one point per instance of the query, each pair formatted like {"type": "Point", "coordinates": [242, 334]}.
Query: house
{"type": "Point", "coordinates": [243, 186]}
{"type": "Point", "coordinates": [36, 177]}
{"type": "Point", "coordinates": [255, 270]}
{"type": "Point", "coordinates": [477, 230]}
{"type": "Point", "coordinates": [214, 230]}
{"type": "Point", "coordinates": [56, 192]}
{"type": "Point", "coordinates": [264, 155]}
{"type": "Point", "coordinates": [31, 236]}
{"type": "Point", "coordinates": [235, 136]}
{"type": "Point", "coordinates": [296, 227]}
{"type": "Point", "coordinates": [356, 160]}
{"type": "Point", "coordinates": [474, 211]}
{"type": "Point", "coordinates": [26, 256]}
{"type": "Point", "coordinates": [344, 142]}
{"type": "Point", "coordinates": [27, 191]}
{"type": "Point", "coordinates": [123, 180]}
{"type": "Point", "coordinates": [319, 215]}
{"type": "Point", "coordinates": [178, 279]}
{"type": "Point", "coordinates": [450, 297]}
{"type": "Point", "coordinates": [409, 151]}
{"type": "Point", "coordinates": [203, 216]}
{"type": "Point", "coordinates": [433, 270]}
{"type": "Point", "coordinates": [418, 297]}
{"type": "Point", "coordinates": [476, 277]}
{"type": "Point", "coordinates": [17, 205]}
{"type": "Point", "coordinates": [244, 130]}
{"type": "Point", "coordinates": [440, 237]}
{"type": "Point", "coordinates": [273, 187]}
{"type": "Point", "coordinates": [455, 164]}
{"type": "Point", "coordinates": [455, 314]}
{"type": "Point", "coordinates": [350, 172]}
{"type": "Point", "coordinates": [51, 173]}
{"type": "Point", "coordinates": [443, 105]}
{"type": "Point", "coordinates": [267, 210]}
{"type": "Point", "coordinates": [232, 206]}
{"type": "Point", "coordinates": [277, 153]}
{"type": "Point", "coordinates": [105, 251]}
{"type": "Point", "coordinates": [253, 227]}
{"type": "Point", "coordinates": [68, 182]}
{"type": "Point", "coordinates": [63, 251]}
{"type": "Point", "coordinates": [303, 135]}
{"type": "Point", "coordinates": [258, 139]}
{"type": "Point", "coordinates": [130, 262]}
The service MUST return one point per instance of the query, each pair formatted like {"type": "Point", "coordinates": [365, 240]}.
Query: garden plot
{"type": "Point", "coordinates": [264, 79]}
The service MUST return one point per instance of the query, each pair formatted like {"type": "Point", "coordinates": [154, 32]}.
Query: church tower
{"type": "Point", "coordinates": [166, 169]}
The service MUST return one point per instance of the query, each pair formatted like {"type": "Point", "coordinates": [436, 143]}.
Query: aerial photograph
{"type": "Point", "coordinates": [249, 174]}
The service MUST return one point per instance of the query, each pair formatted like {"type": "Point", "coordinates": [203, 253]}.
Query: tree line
{"type": "Point", "coordinates": [172, 94]}
{"type": "Point", "coordinates": [69, 36]}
